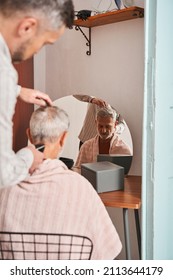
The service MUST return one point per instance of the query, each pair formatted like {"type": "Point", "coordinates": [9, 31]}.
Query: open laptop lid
{"type": "Point", "coordinates": [121, 160]}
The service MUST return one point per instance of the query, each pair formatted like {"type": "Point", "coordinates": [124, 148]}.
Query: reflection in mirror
{"type": "Point", "coordinates": [77, 112]}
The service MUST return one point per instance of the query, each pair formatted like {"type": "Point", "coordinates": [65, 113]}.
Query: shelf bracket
{"type": "Point", "coordinates": [88, 43]}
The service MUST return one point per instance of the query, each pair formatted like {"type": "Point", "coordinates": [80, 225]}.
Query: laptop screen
{"type": "Point", "coordinates": [121, 160]}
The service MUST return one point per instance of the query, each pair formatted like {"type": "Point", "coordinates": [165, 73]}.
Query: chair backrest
{"type": "Point", "coordinates": [44, 246]}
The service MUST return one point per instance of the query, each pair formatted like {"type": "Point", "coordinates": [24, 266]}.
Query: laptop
{"type": "Point", "coordinates": [121, 160]}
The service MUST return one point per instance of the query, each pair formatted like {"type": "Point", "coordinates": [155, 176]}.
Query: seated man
{"type": "Point", "coordinates": [55, 199]}
{"type": "Point", "coordinates": [89, 129]}
{"type": "Point", "coordinates": [105, 142]}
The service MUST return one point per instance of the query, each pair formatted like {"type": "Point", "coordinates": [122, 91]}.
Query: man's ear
{"type": "Point", "coordinates": [63, 138]}
{"type": "Point", "coordinates": [27, 27]}
{"type": "Point", "coordinates": [29, 135]}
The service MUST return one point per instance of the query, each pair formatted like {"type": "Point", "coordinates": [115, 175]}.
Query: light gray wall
{"type": "Point", "coordinates": [114, 71]}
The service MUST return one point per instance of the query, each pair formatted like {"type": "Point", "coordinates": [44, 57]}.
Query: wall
{"type": "Point", "coordinates": [114, 71]}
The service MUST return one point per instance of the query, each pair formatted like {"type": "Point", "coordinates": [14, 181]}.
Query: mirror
{"type": "Point", "coordinates": [77, 111]}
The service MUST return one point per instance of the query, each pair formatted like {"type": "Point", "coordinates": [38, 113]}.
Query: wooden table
{"type": "Point", "coordinates": [129, 198]}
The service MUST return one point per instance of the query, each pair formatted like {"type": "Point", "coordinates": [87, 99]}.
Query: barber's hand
{"type": "Point", "coordinates": [35, 96]}
{"type": "Point", "coordinates": [38, 159]}
{"type": "Point", "coordinates": [100, 102]}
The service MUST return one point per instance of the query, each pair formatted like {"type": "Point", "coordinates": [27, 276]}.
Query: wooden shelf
{"type": "Point", "coordinates": [107, 18]}
{"type": "Point", "coordinates": [111, 17]}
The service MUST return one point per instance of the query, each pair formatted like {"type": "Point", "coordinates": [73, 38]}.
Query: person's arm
{"type": "Point", "coordinates": [83, 98]}
{"type": "Point", "coordinates": [91, 99]}
{"type": "Point", "coordinates": [13, 167]}
{"type": "Point", "coordinates": [34, 96]}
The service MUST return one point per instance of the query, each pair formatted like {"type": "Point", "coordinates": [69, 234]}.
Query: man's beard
{"type": "Point", "coordinates": [18, 55]}
{"type": "Point", "coordinates": [105, 136]}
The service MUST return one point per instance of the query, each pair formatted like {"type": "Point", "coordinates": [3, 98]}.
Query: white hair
{"type": "Point", "coordinates": [106, 112]}
{"type": "Point", "coordinates": [47, 124]}
{"type": "Point", "coordinates": [56, 12]}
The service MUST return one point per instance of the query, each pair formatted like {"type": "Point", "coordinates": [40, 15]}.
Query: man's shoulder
{"type": "Point", "coordinates": [117, 140]}
{"type": "Point", "coordinates": [90, 141]}
{"type": "Point", "coordinates": [119, 143]}
{"type": "Point", "coordinates": [75, 176]}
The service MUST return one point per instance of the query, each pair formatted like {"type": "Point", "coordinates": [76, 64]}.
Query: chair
{"type": "Point", "coordinates": [44, 246]}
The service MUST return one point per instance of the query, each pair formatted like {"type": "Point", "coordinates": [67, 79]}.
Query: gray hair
{"type": "Point", "coordinates": [47, 124]}
{"type": "Point", "coordinates": [55, 12]}
{"type": "Point", "coordinates": [106, 112]}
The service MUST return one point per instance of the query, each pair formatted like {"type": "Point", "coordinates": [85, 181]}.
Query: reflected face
{"type": "Point", "coordinates": [30, 47]}
{"type": "Point", "coordinates": [105, 127]}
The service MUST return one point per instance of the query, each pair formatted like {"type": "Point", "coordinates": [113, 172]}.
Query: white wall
{"type": "Point", "coordinates": [114, 71]}
{"type": "Point", "coordinates": [40, 70]}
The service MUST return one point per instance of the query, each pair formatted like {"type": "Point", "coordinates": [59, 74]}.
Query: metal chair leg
{"type": "Point", "coordinates": [126, 233]}
{"type": "Point", "coordinates": [138, 230]}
